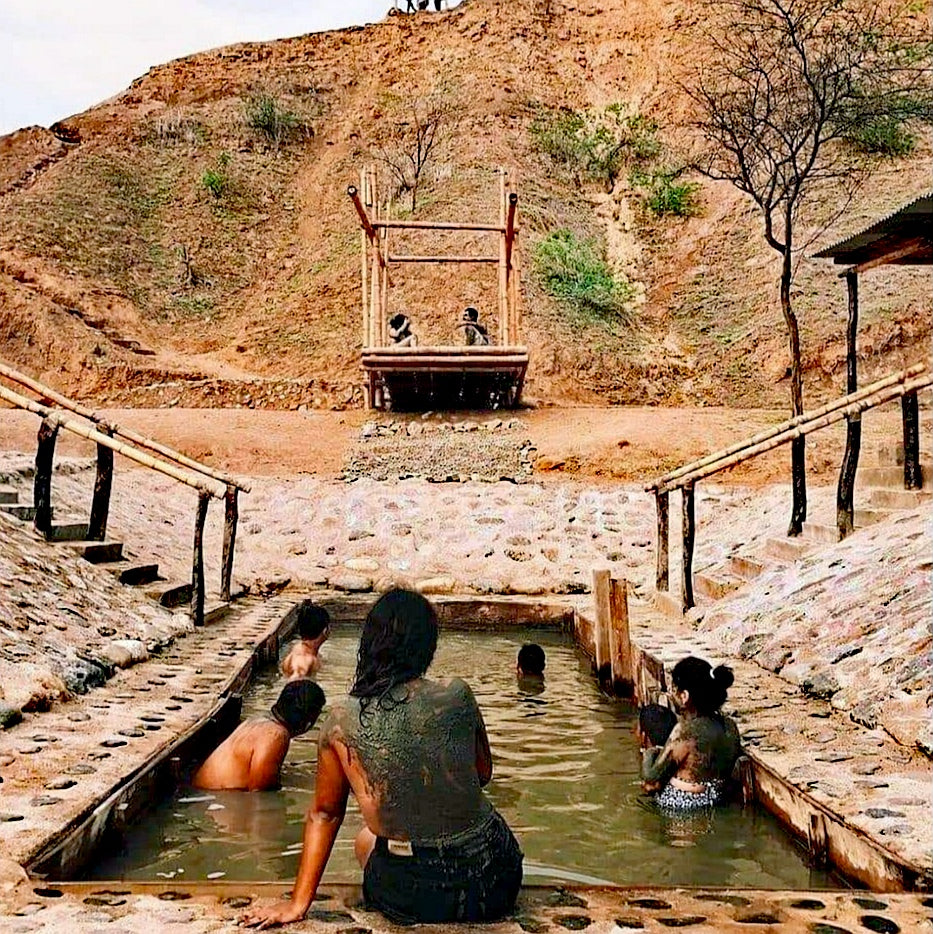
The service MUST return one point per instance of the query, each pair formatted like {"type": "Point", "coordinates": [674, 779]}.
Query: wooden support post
{"type": "Point", "coordinates": [662, 574]}
{"type": "Point", "coordinates": [744, 774]}
{"type": "Point", "coordinates": [910, 416]}
{"type": "Point", "coordinates": [42, 488]}
{"type": "Point", "coordinates": [845, 491]}
{"type": "Point", "coordinates": [231, 514]}
{"type": "Point", "coordinates": [818, 841]}
{"type": "Point", "coordinates": [103, 483]}
{"type": "Point", "coordinates": [620, 641]}
{"type": "Point", "coordinates": [384, 295]}
{"type": "Point", "coordinates": [503, 271]}
{"type": "Point", "coordinates": [364, 247]}
{"type": "Point", "coordinates": [689, 529]}
{"type": "Point", "coordinates": [603, 621]}
{"type": "Point", "coordinates": [197, 562]}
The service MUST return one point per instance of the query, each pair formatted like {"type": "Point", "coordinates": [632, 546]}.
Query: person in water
{"type": "Point", "coordinates": [312, 625]}
{"type": "Point", "coordinates": [250, 758]}
{"type": "Point", "coordinates": [415, 754]}
{"type": "Point", "coordinates": [531, 661]}
{"type": "Point", "coordinates": [692, 768]}
{"type": "Point", "coordinates": [654, 726]}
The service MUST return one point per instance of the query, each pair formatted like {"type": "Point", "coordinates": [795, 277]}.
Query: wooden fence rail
{"type": "Point", "coordinates": [198, 477]}
{"type": "Point", "coordinates": [904, 385]}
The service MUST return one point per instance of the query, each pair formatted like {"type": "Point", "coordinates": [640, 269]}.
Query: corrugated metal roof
{"type": "Point", "coordinates": [907, 222]}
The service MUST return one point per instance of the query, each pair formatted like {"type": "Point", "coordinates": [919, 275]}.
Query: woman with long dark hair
{"type": "Point", "coordinates": [692, 769]}
{"type": "Point", "coordinates": [416, 755]}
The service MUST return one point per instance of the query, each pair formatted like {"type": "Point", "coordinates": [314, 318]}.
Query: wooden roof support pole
{"type": "Point", "coordinates": [197, 561]}
{"type": "Point", "coordinates": [231, 514]}
{"type": "Point", "coordinates": [512, 203]}
{"type": "Point", "coordinates": [103, 483]}
{"type": "Point", "coordinates": [364, 241]}
{"type": "Point", "coordinates": [845, 490]}
{"type": "Point", "coordinates": [42, 485]}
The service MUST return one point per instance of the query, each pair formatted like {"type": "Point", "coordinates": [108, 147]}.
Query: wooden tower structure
{"type": "Point", "coordinates": [438, 376]}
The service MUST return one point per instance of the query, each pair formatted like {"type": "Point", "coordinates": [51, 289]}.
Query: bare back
{"type": "Point", "coordinates": [699, 750]}
{"type": "Point", "coordinates": [249, 759]}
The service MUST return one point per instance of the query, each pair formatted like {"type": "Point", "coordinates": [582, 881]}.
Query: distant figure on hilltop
{"type": "Point", "coordinates": [400, 331]}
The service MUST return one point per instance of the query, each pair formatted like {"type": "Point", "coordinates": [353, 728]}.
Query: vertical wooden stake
{"type": "Point", "coordinates": [689, 524]}
{"type": "Point", "coordinates": [744, 773]}
{"type": "Point", "coordinates": [620, 640]}
{"type": "Point", "coordinates": [845, 490]}
{"type": "Point", "coordinates": [42, 488]}
{"type": "Point", "coordinates": [364, 241]}
{"type": "Point", "coordinates": [818, 841]}
{"type": "Point", "coordinates": [103, 483]}
{"type": "Point", "coordinates": [910, 416]}
{"type": "Point", "coordinates": [384, 298]}
{"type": "Point", "coordinates": [603, 621]}
{"type": "Point", "coordinates": [197, 561]}
{"type": "Point", "coordinates": [662, 573]}
{"type": "Point", "coordinates": [503, 273]}
{"type": "Point", "coordinates": [231, 513]}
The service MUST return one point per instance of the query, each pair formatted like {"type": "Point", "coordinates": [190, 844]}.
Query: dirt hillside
{"type": "Point", "coordinates": [124, 279]}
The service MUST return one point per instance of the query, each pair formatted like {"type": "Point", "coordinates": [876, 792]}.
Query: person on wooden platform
{"type": "Point", "coordinates": [415, 754]}
{"type": "Point", "coordinates": [251, 757]}
{"type": "Point", "coordinates": [312, 625]}
{"type": "Point", "coordinates": [475, 334]}
{"type": "Point", "coordinates": [400, 331]}
{"type": "Point", "coordinates": [692, 769]}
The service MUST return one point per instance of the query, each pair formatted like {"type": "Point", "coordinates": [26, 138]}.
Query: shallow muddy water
{"type": "Point", "coordinates": [565, 778]}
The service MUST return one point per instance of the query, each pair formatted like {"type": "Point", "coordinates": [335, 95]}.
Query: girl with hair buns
{"type": "Point", "coordinates": [691, 770]}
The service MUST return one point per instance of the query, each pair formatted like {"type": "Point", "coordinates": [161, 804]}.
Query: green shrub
{"type": "Point", "coordinates": [215, 180]}
{"type": "Point", "coordinates": [575, 272]}
{"type": "Point", "coordinates": [269, 119]}
{"type": "Point", "coordinates": [664, 194]}
{"type": "Point", "coordinates": [884, 136]}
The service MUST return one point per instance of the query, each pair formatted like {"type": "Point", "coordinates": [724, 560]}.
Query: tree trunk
{"type": "Point", "coordinates": [798, 445]}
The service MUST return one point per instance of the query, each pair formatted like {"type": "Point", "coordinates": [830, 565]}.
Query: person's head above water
{"type": "Point", "coordinates": [299, 706]}
{"type": "Point", "coordinates": [310, 622]}
{"type": "Point", "coordinates": [700, 687]}
{"type": "Point", "coordinates": [396, 645]}
{"type": "Point", "coordinates": [531, 660]}
{"type": "Point", "coordinates": [655, 723]}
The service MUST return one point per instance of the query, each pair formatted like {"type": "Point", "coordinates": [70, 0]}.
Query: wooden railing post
{"type": "Point", "coordinates": [689, 529]}
{"type": "Point", "coordinates": [197, 562]}
{"type": "Point", "coordinates": [620, 640]}
{"type": "Point", "coordinates": [910, 415]}
{"type": "Point", "coordinates": [662, 574]}
{"type": "Point", "coordinates": [230, 520]}
{"type": "Point", "coordinates": [103, 483]}
{"type": "Point", "coordinates": [845, 491]}
{"type": "Point", "coordinates": [603, 617]}
{"type": "Point", "coordinates": [42, 488]}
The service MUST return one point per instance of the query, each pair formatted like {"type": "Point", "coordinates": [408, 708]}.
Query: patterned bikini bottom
{"type": "Point", "coordinates": [676, 799]}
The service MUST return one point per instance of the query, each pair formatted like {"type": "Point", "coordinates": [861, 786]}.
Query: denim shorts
{"type": "Point", "coordinates": [474, 875]}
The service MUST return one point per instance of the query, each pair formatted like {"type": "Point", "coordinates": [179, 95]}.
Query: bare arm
{"type": "Point", "coordinates": [483, 752]}
{"type": "Point", "coordinates": [321, 825]}
{"type": "Point", "coordinates": [659, 764]}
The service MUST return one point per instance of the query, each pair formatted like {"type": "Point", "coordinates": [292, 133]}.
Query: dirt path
{"type": "Point", "coordinates": [592, 443]}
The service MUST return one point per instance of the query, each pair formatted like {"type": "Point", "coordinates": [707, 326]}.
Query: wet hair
{"type": "Point", "coordinates": [396, 645]}
{"type": "Point", "coordinates": [531, 659]}
{"type": "Point", "coordinates": [299, 705]}
{"type": "Point", "coordinates": [470, 313]}
{"type": "Point", "coordinates": [396, 321]}
{"type": "Point", "coordinates": [308, 620]}
{"type": "Point", "coordinates": [707, 685]}
{"type": "Point", "coordinates": [656, 723]}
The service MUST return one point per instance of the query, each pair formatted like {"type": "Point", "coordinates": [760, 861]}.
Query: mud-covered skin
{"type": "Point", "coordinates": [699, 750]}
{"type": "Point", "coordinates": [417, 761]}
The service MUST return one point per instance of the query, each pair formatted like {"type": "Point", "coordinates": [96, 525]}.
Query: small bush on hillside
{"type": "Point", "coordinates": [884, 136]}
{"type": "Point", "coordinates": [665, 195]}
{"type": "Point", "coordinates": [272, 121]}
{"type": "Point", "coordinates": [215, 179]}
{"type": "Point", "coordinates": [597, 144]}
{"type": "Point", "coordinates": [575, 272]}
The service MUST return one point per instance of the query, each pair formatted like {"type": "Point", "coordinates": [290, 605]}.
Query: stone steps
{"type": "Point", "coordinates": [865, 517]}
{"type": "Point", "coordinates": [787, 549]}
{"type": "Point", "coordinates": [715, 587]}
{"type": "Point", "coordinates": [215, 612]}
{"type": "Point", "coordinates": [899, 499]}
{"type": "Point", "coordinates": [170, 594]}
{"type": "Point", "coordinates": [97, 552]}
{"type": "Point", "coordinates": [67, 531]}
{"type": "Point", "coordinates": [19, 511]}
{"type": "Point", "coordinates": [889, 477]}
{"type": "Point", "coordinates": [746, 568]}
{"type": "Point", "coordinates": [134, 574]}
{"type": "Point", "coordinates": [8, 495]}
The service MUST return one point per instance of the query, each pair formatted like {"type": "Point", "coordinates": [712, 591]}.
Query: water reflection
{"type": "Point", "coordinates": [566, 779]}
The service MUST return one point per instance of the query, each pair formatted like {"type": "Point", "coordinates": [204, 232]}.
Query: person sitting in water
{"type": "Point", "coordinates": [531, 661]}
{"type": "Point", "coordinates": [654, 725]}
{"type": "Point", "coordinates": [400, 331]}
{"type": "Point", "coordinates": [312, 625]}
{"type": "Point", "coordinates": [250, 758]}
{"type": "Point", "coordinates": [415, 754]}
{"type": "Point", "coordinates": [691, 770]}
{"type": "Point", "coordinates": [474, 333]}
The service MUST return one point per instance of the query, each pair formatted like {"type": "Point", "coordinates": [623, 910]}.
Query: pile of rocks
{"type": "Point", "coordinates": [442, 452]}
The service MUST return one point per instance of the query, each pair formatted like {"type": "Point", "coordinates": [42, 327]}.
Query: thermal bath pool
{"type": "Point", "coordinates": [565, 778]}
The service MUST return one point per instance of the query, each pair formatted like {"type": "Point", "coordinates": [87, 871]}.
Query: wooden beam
{"type": "Point", "coordinates": [620, 640]}
{"type": "Point", "coordinates": [231, 514]}
{"type": "Point", "coordinates": [910, 417]}
{"type": "Point", "coordinates": [503, 271]}
{"type": "Point", "coordinates": [197, 561]}
{"type": "Point", "coordinates": [442, 259]}
{"type": "Point", "coordinates": [845, 489]}
{"type": "Point", "coordinates": [662, 572]}
{"type": "Point", "coordinates": [42, 485]}
{"type": "Point", "coordinates": [905, 250]}
{"type": "Point", "coordinates": [432, 225]}
{"type": "Point", "coordinates": [689, 533]}
{"type": "Point", "coordinates": [603, 622]}
{"type": "Point", "coordinates": [100, 503]}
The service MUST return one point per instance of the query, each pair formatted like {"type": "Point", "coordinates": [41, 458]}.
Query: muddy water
{"type": "Point", "coordinates": [565, 778]}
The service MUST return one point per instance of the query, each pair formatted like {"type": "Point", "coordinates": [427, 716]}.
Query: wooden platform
{"type": "Point", "coordinates": [444, 377]}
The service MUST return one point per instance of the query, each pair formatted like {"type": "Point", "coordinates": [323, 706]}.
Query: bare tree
{"type": "Point", "coordinates": [415, 131]}
{"type": "Point", "coordinates": [788, 82]}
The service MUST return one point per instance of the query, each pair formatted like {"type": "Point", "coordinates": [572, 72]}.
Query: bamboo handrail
{"type": "Point", "coordinates": [214, 489]}
{"type": "Point", "coordinates": [665, 481]}
{"type": "Point", "coordinates": [442, 259]}
{"type": "Point", "coordinates": [812, 422]}
{"type": "Point", "coordinates": [437, 225]}
{"type": "Point", "coordinates": [50, 395]}
{"type": "Point", "coordinates": [421, 350]}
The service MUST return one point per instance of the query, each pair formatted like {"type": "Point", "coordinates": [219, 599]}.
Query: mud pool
{"type": "Point", "coordinates": [565, 778]}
